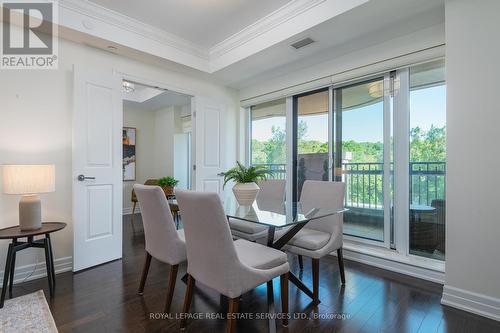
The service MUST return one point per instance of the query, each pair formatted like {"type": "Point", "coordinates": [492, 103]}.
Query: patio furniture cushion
{"type": "Point", "coordinates": [258, 256]}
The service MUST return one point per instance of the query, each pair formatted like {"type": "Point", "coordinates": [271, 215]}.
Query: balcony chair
{"type": "Point", "coordinates": [322, 236]}
{"type": "Point", "coordinates": [163, 241]}
{"type": "Point", "coordinates": [272, 190]}
{"type": "Point", "coordinates": [231, 268]}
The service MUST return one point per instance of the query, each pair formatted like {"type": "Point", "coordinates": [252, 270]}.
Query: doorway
{"type": "Point", "coordinates": [157, 133]}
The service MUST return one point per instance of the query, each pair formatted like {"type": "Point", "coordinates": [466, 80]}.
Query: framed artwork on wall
{"type": "Point", "coordinates": [129, 153]}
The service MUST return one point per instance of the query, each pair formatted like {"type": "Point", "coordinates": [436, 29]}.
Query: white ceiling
{"type": "Point", "coordinates": [369, 24]}
{"type": "Point", "coordinates": [158, 99]}
{"type": "Point", "coordinates": [259, 52]}
{"type": "Point", "coordinates": [202, 22]}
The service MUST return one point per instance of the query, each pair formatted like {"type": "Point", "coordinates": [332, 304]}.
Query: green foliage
{"type": "Point", "coordinates": [424, 146]}
{"type": "Point", "coordinates": [242, 174]}
{"type": "Point", "coordinates": [428, 146]}
{"type": "Point", "coordinates": [168, 181]}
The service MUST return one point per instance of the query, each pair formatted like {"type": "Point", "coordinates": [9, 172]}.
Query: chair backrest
{"type": "Point", "coordinates": [162, 240]}
{"type": "Point", "coordinates": [211, 254]}
{"type": "Point", "coordinates": [272, 189]}
{"type": "Point", "coordinates": [323, 194]}
{"type": "Point", "coordinates": [147, 182]}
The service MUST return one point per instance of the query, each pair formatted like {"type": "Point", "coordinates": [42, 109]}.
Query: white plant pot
{"type": "Point", "coordinates": [245, 193]}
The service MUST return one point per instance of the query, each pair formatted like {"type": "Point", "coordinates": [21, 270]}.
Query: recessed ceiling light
{"type": "Point", "coordinates": [302, 43]}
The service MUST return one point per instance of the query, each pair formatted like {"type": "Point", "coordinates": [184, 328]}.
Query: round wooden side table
{"type": "Point", "coordinates": [14, 233]}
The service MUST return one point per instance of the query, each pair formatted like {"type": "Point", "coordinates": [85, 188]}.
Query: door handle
{"type": "Point", "coordinates": [221, 174]}
{"type": "Point", "coordinates": [82, 178]}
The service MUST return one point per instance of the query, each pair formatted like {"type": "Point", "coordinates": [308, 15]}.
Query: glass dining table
{"type": "Point", "coordinates": [291, 216]}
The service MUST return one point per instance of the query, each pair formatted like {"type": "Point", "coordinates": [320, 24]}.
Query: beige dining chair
{"type": "Point", "coordinates": [272, 190]}
{"type": "Point", "coordinates": [163, 241]}
{"type": "Point", "coordinates": [231, 268]}
{"type": "Point", "coordinates": [322, 236]}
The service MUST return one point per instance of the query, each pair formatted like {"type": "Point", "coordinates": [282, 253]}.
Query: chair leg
{"type": "Point", "coordinates": [187, 300]}
{"type": "Point", "coordinates": [284, 298]}
{"type": "Point", "coordinates": [233, 309]}
{"type": "Point", "coordinates": [132, 217]}
{"type": "Point", "coordinates": [340, 257]}
{"type": "Point", "coordinates": [315, 271]}
{"type": "Point", "coordinates": [301, 262]}
{"type": "Point", "coordinates": [171, 287]}
{"type": "Point", "coordinates": [145, 271]}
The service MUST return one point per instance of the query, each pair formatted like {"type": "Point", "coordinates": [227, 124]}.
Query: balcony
{"type": "Point", "coordinates": [365, 200]}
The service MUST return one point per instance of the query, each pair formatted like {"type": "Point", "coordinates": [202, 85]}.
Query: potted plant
{"type": "Point", "coordinates": [245, 190]}
{"type": "Point", "coordinates": [168, 184]}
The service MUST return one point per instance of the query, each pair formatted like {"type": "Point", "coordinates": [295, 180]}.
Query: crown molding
{"type": "Point", "coordinates": [265, 24]}
{"type": "Point", "coordinates": [96, 15]}
{"type": "Point", "coordinates": [109, 16]}
{"type": "Point", "coordinates": [94, 20]}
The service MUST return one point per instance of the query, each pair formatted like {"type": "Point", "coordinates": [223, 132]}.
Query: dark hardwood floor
{"type": "Point", "coordinates": [104, 299]}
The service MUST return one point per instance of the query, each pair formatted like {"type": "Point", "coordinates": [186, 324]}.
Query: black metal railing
{"type": "Point", "coordinates": [279, 170]}
{"type": "Point", "coordinates": [364, 182]}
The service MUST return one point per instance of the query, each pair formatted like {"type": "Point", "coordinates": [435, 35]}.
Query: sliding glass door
{"type": "Point", "coordinates": [268, 136]}
{"type": "Point", "coordinates": [359, 156]}
{"type": "Point", "coordinates": [311, 137]}
{"type": "Point", "coordinates": [384, 137]}
{"type": "Point", "coordinates": [427, 160]}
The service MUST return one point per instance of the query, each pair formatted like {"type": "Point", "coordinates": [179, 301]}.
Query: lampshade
{"type": "Point", "coordinates": [28, 179]}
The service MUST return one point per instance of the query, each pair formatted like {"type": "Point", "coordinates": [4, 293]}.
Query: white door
{"type": "Point", "coordinates": [97, 154]}
{"type": "Point", "coordinates": [210, 145]}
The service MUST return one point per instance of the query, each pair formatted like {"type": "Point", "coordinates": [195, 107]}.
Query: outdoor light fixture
{"type": "Point", "coordinates": [376, 89]}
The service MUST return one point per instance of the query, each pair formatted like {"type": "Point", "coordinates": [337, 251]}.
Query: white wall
{"type": "Point", "coordinates": [144, 122]}
{"type": "Point", "coordinates": [36, 127]}
{"type": "Point", "coordinates": [155, 145]}
{"type": "Point", "coordinates": [164, 142]}
{"type": "Point", "coordinates": [473, 118]}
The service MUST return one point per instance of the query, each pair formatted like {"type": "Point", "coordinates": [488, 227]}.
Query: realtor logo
{"type": "Point", "coordinates": [29, 34]}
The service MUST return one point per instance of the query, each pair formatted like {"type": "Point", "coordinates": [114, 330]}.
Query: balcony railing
{"type": "Point", "coordinates": [364, 182]}
{"type": "Point", "coordinates": [279, 170]}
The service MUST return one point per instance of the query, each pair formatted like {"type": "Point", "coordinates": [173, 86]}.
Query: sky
{"type": "Point", "coordinates": [427, 107]}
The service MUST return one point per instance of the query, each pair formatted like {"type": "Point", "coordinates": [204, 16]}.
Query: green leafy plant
{"type": "Point", "coordinates": [242, 174]}
{"type": "Point", "coordinates": [168, 181]}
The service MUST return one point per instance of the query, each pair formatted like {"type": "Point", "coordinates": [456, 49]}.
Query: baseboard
{"type": "Point", "coordinates": [394, 266]}
{"type": "Point", "coordinates": [128, 210]}
{"type": "Point", "coordinates": [38, 270]}
{"type": "Point", "coordinates": [479, 304]}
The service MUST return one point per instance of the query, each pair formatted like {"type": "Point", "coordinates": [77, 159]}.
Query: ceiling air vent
{"type": "Point", "coordinates": [301, 43]}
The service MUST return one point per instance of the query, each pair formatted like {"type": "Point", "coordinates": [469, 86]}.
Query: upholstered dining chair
{"type": "Point", "coordinates": [322, 236]}
{"type": "Point", "coordinates": [133, 199]}
{"type": "Point", "coordinates": [163, 241]}
{"type": "Point", "coordinates": [231, 268]}
{"type": "Point", "coordinates": [272, 190]}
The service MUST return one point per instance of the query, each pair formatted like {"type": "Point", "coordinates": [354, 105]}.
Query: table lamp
{"type": "Point", "coordinates": [29, 180]}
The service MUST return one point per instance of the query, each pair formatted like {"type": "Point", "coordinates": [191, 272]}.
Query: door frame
{"type": "Point", "coordinates": [170, 87]}
{"type": "Point", "coordinates": [165, 86]}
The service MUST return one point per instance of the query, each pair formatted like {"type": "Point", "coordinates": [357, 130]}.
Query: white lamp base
{"type": "Point", "coordinates": [30, 212]}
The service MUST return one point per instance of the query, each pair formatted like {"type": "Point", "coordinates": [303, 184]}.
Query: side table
{"type": "Point", "coordinates": [14, 233]}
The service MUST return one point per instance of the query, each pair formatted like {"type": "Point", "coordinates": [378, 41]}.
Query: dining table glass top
{"type": "Point", "coordinates": [276, 213]}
